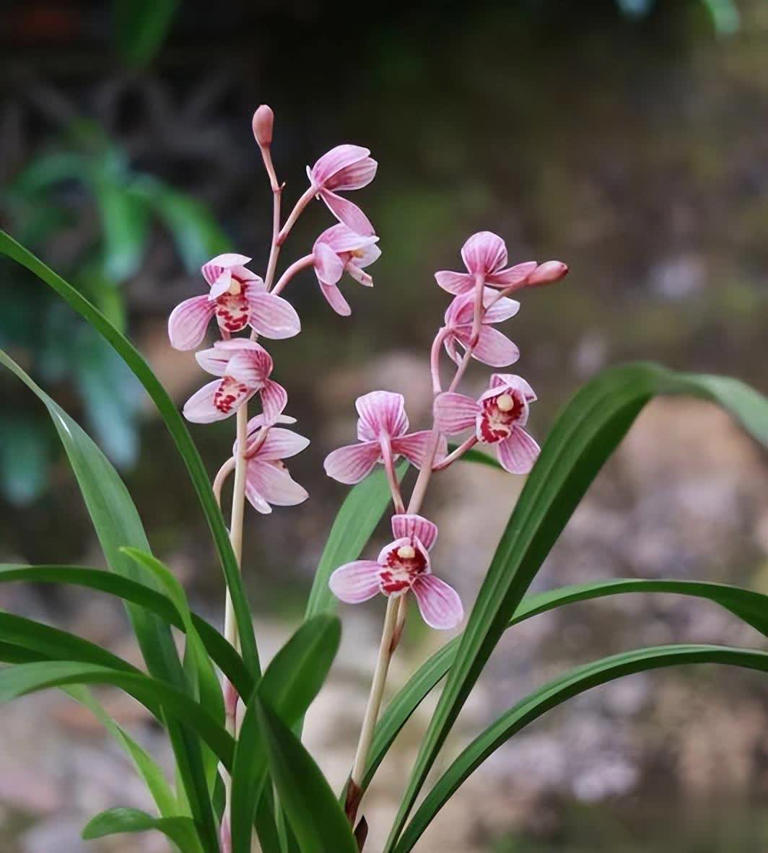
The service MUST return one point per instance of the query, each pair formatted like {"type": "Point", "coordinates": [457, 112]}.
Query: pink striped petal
{"type": "Point", "coordinates": [511, 381]}
{"type": "Point", "coordinates": [221, 285]}
{"type": "Point", "coordinates": [416, 445]}
{"type": "Point", "coordinates": [515, 275]}
{"type": "Point", "coordinates": [216, 401]}
{"type": "Point", "coordinates": [352, 463]}
{"type": "Point", "coordinates": [518, 453]}
{"type": "Point", "coordinates": [501, 309]}
{"type": "Point", "coordinates": [281, 444]}
{"type": "Point", "coordinates": [407, 525]}
{"type": "Point", "coordinates": [189, 321]}
{"type": "Point", "coordinates": [333, 161]}
{"type": "Point", "coordinates": [381, 412]}
{"type": "Point", "coordinates": [329, 267]}
{"type": "Point", "coordinates": [343, 239]}
{"type": "Point", "coordinates": [495, 349]}
{"type": "Point", "coordinates": [274, 398]}
{"type": "Point", "coordinates": [355, 582]}
{"type": "Point", "coordinates": [347, 212]}
{"type": "Point", "coordinates": [455, 412]}
{"type": "Point", "coordinates": [334, 297]}
{"type": "Point", "coordinates": [271, 482]}
{"type": "Point", "coordinates": [484, 253]}
{"type": "Point", "coordinates": [272, 316]}
{"type": "Point", "coordinates": [355, 176]}
{"type": "Point", "coordinates": [213, 268]}
{"type": "Point", "coordinates": [250, 367]}
{"type": "Point", "coordinates": [455, 282]}
{"type": "Point", "coordinates": [439, 603]}
{"type": "Point", "coordinates": [359, 275]}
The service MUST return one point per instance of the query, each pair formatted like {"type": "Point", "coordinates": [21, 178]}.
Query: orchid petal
{"type": "Point", "coordinates": [216, 401]}
{"type": "Point", "coordinates": [416, 446]}
{"type": "Point", "coordinates": [439, 603]}
{"type": "Point", "coordinates": [221, 285]}
{"type": "Point", "coordinates": [352, 463]}
{"type": "Point", "coordinates": [333, 296]}
{"type": "Point", "coordinates": [347, 212]}
{"type": "Point", "coordinates": [494, 348]}
{"type": "Point", "coordinates": [513, 382]}
{"type": "Point", "coordinates": [333, 161]}
{"type": "Point", "coordinates": [454, 412]}
{"type": "Point", "coordinates": [329, 267]}
{"type": "Point", "coordinates": [355, 176]}
{"type": "Point", "coordinates": [343, 239]}
{"type": "Point", "coordinates": [355, 582]}
{"type": "Point", "coordinates": [381, 412]}
{"type": "Point", "coordinates": [272, 316]}
{"type": "Point", "coordinates": [272, 482]}
{"type": "Point", "coordinates": [407, 525]}
{"type": "Point", "coordinates": [516, 275]}
{"type": "Point", "coordinates": [455, 282]}
{"type": "Point", "coordinates": [274, 398]}
{"type": "Point", "coordinates": [213, 268]}
{"type": "Point", "coordinates": [484, 253]}
{"type": "Point", "coordinates": [518, 452]}
{"type": "Point", "coordinates": [188, 322]}
{"type": "Point", "coordinates": [500, 310]}
{"type": "Point", "coordinates": [281, 444]}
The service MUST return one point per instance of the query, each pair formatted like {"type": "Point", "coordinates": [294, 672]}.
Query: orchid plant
{"type": "Point", "coordinates": [243, 775]}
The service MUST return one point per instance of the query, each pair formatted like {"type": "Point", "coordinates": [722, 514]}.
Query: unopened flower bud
{"type": "Point", "coordinates": [547, 273]}
{"type": "Point", "coordinates": [263, 122]}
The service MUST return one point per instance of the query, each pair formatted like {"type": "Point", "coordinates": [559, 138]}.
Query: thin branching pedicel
{"type": "Point", "coordinates": [497, 418]}
{"type": "Point", "coordinates": [243, 302]}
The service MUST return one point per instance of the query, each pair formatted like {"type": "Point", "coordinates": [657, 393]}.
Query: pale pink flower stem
{"type": "Point", "coordinates": [298, 208]}
{"type": "Point", "coordinates": [389, 467]}
{"type": "Point", "coordinates": [456, 454]}
{"type": "Point", "coordinates": [434, 360]}
{"type": "Point", "coordinates": [291, 271]}
{"type": "Point", "coordinates": [478, 316]}
{"type": "Point", "coordinates": [277, 192]}
{"type": "Point", "coordinates": [221, 477]}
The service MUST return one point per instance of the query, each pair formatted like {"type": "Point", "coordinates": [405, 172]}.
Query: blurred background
{"type": "Point", "coordinates": [625, 137]}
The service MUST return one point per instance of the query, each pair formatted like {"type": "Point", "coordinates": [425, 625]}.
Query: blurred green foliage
{"type": "Point", "coordinates": [85, 174]}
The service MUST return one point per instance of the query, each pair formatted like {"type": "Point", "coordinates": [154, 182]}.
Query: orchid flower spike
{"type": "Point", "coordinates": [267, 481]}
{"type": "Point", "coordinates": [401, 566]}
{"type": "Point", "coordinates": [238, 298]}
{"type": "Point", "coordinates": [492, 347]}
{"type": "Point", "coordinates": [345, 167]}
{"type": "Point", "coordinates": [485, 257]}
{"type": "Point", "coordinates": [337, 250]}
{"type": "Point", "coordinates": [244, 367]}
{"type": "Point", "coordinates": [498, 418]}
{"type": "Point", "coordinates": [382, 432]}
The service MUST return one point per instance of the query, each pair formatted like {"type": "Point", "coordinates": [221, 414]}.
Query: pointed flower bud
{"type": "Point", "coordinates": [548, 273]}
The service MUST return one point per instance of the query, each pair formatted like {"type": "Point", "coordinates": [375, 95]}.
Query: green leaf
{"type": "Point", "coordinates": [27, 678]}
{"type": "Point", "coordinates": [290, 683]}
{"type": "Point", "coordinates": [141, 27]}
{"type": "Point", "coordinates": [750, 606]}
{"type": "Point", "coordinates": [125, 227]}
{"type": "Point", "coordinates": [555, 693]}
{"type": "Point", "coordinates": [173, 421]}
{"type": "Point", "coordinates": [583, 437]}
{"type": "Point", "coordinates": [225, 657]}
{"type": "Point", "coordinates": [353, 526]}
{"type": "Point", "coordinates": [117, 524]}
{"type": "Point", "coordinates": [180, 830]}
{"type": "Point", "coordinates": [313, 812]}
{"type": "Point", "coordinates": [147, 767]}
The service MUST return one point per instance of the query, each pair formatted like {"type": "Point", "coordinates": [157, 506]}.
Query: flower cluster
{"type": "Point", "coordinates": [496, 419]}
{"type": "Point", "coordinates": [241, 301]}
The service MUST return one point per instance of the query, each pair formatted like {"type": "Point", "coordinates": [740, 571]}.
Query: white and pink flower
{"type": "Point", "coordinates": [382, 432]}
{"type": "Point", "coordinates": [244, 368]}
{"type": "Point", "coordinates": [337, 250]}
{"type": "Point", "coordinates": [344, 168]}
{"type": "Point", "coordinates": [237, 298]}
{"type": "Point", "coordinates": [402, 565]}
{"type": "Point", "coordinates": [498, 418]}
{"type": "Point", "coordinates": [267, 480]}
{"type": "Point", "coordinates": [492, 347]}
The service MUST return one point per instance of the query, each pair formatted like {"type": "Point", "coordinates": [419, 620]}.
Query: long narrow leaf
{"type": "Point", "coordinates": [583, 437]}
{"type": "Point", "coordinates": [750, 606]}
{"type": "Point", "coordinates": [180, 830]}
{"type": "Point", "coordinates": [313, 812]}
{"type": "Point", "coordinates": [555, 693]}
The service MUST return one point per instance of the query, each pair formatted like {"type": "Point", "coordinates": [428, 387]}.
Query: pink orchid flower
{"type": "Point", "coordinates": [401, 566]}
{"type": "Point", "coordinates": [498, 418]}
{"type": "Point", "coordinates": [493, 347]}
{"type": "Point", "coordinates": [267, 481]}
{"type": "Point", "coordinates": [244, 367]}
{"type": "Point", "coordinates": [345, 167]}
{"type": "Point", "coordinates": [237, 298]}
{"type": "Point", "coordinates": [485, 256]}
{"type": "Point", "coordinates": [337, 250]}
{"type": "Point", "coordinates": [382, 432]}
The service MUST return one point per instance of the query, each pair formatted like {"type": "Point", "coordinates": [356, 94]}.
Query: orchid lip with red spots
{"type": "Point", "coordinates": [402, 566]}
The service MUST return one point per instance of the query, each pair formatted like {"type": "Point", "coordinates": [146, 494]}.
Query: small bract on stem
{"type": "Point", "coordinates": [242, 301]}
{"type": "Point", "coordinates": [498, 418]}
